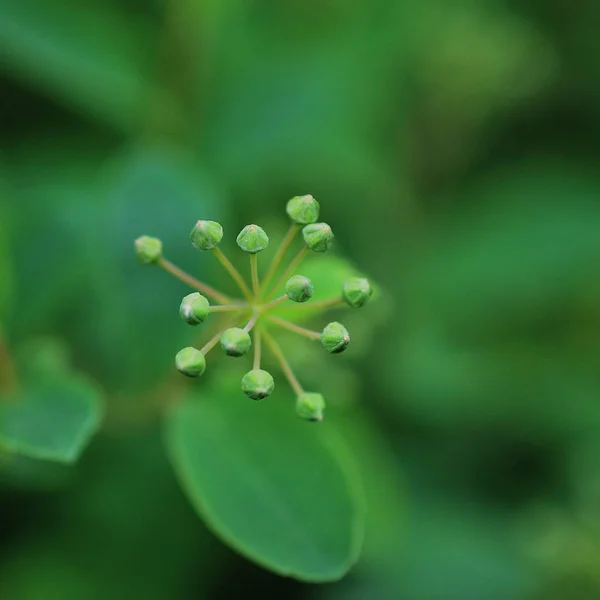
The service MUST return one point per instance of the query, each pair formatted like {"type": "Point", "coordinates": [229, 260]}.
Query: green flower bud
{"type": "Point", "coordinates": [258, 384]}
{"type": "Point", "coordinates": [148, 250]}
{"type": "Point", "coordinates": [357, 291]}
{"type": "Point", "coordinates": [206, 235]}
{"type": "Point", "coordinates": [190, 362]}
{"type": "Point", "coordinates": [299, 288]}
{"type": "Point", "coordinates": [194, 308]}
{"type": "Point", "coordinates": [318, 237]}
{"type": "Point", "coordinates": [303, 209]}
{"type": "Point", "coordinates": [252, 239]}
{"type": "Point", "coordinates": [310, 406]}
{"type": "Point", "coordinates": [335, 338]}
{"type": "Point", "coordinates": [235, 342]}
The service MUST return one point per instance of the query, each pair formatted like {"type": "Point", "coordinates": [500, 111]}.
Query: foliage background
{"type": "Point", "coordinates": [453, 146]}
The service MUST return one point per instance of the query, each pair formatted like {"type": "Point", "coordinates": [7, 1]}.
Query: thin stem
{"type": "Point", "coordinates": [252, 322]}
{"type": "Point", "coordinates": [313, 335]}
{"type": "Point", "coordinates": [330, 303]}
{"type": "Point", "coordinates": [273, 303]}
{"type": "Point", "coordinates": [283, 248]}
{"type": "Point", "coordinates": [257, 349]}
{"type": "Point", "coordinates": [207, 290]}
{"type": "Point", "coordinates": [254, 274]}
{"type": "Point", "coordinates": [229, 307]}
{"type": "Point", "coordinates": [233, 272]}
{"type": "Point", "coordinates": [283, 363]}
{"type": "Point", "coordinates": [291, 268]}
{"type": "Point", "coordinates": [211, 343]}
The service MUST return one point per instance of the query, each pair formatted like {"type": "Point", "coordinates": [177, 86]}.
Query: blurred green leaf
{"type": "Point", "coordinates": [387, 520]}
{"type": "Point", "coordinates": [20, 472]}
{"type": "Point", "coordinates": [42, 357]}
{"type": "Point", "coordinates": [85, 212]}
{"type": "Point", "coordinates": [473, 555]}
{"type": "Point", "coordinates": [6, 275]}
{"type": "Point", "coordinates": [493, 305]}
{"type": "Point", "coordinates": [145, 190]}
{"type": "Point", "coordinates": [525, 242]}
{"type": "Point", "coordinates": [275, 488]}
{"type": "Point", "coordinates": [93, 58]}
{"type": "Point", "coordinates": [109, 528]}
{"type": "Point", "coordinates": [52, 419]}
{"type": "Point", "coordinates": [446, 554]}
{"type": "Point", "coordinates": [53, 189]}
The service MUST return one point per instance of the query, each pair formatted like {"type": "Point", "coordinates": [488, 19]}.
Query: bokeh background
{"type": "Point", "coordinates": [453, 146]}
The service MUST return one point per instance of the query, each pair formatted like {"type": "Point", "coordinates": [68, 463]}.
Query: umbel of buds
{"type": "Point", "coordinates": [249, 323]}
{"type": "Point", "coordinates": [299, 288]}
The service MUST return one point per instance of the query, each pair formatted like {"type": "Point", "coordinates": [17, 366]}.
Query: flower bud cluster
{"type": "Point", "coordinates": [257, 308]}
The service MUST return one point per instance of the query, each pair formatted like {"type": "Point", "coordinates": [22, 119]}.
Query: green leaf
{"type": "Point", "coordinates": [73, 554]}
{"type": "Point", "coordinates": [278, 490]}
{"type": "Point", "coordinates": [526, 242]}
{"type": "Point", "coordinates": [51, 419]}
{"type": "Point", "coordinates": [19, 472]}
{"type": "Point", "coordinates": [48, 182]}
{"type": "Point", "coordinates": [502, 306]}
{"type": "Point", "coordinates": [86, 212]}
{"type": "Point", "coordinates": [93, 59]}
{"type": "Point", "coordinates": [387, 521]}
{"type": "Point", "coordinates": [6, 272]}
{"type": "Point", "coordinates": [146, 190]}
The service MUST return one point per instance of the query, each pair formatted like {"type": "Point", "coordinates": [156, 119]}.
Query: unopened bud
{"type": "Point", "coordinates": [190, 362]}
{"type": "Point", "coordinates": [303, 209]}
{"type": "Point", "coordinates": [235, 342]}
{"type": "Point", "coordinates": [335, 338]}
{"type": "Point", "coordinates": [299, 288]}
{"type": "Point", "coordinates": [310, 406]}
{"type": "Point", "coordinates": [258, 384]}
{"type": "Point", "coordinates": [206, 235]}
{"type": "Point", "coordinates": [252, 239]}
{"type": "Point", "coordinates": [357, 291]}
{"type": "Point", "coordinates": [194, 308]}
{"type": "Point", "coordinates": [318, 237]}
{"type": "Point", "coordinates": [148, 250]}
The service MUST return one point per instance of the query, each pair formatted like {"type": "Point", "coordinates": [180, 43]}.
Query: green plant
{"type": "Point", "coordinates": [255, 311]}
{"type": "Point", "coordinates": [284, 495]}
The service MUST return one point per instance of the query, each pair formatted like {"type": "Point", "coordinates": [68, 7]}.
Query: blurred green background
{"type": "Point", "coordinates": [453, 146]}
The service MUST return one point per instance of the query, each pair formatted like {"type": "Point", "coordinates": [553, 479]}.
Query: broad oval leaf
{"type": "Point", "coordinates": [280, 491]}
{"type": "Point", "coordinates": [50, 419]}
